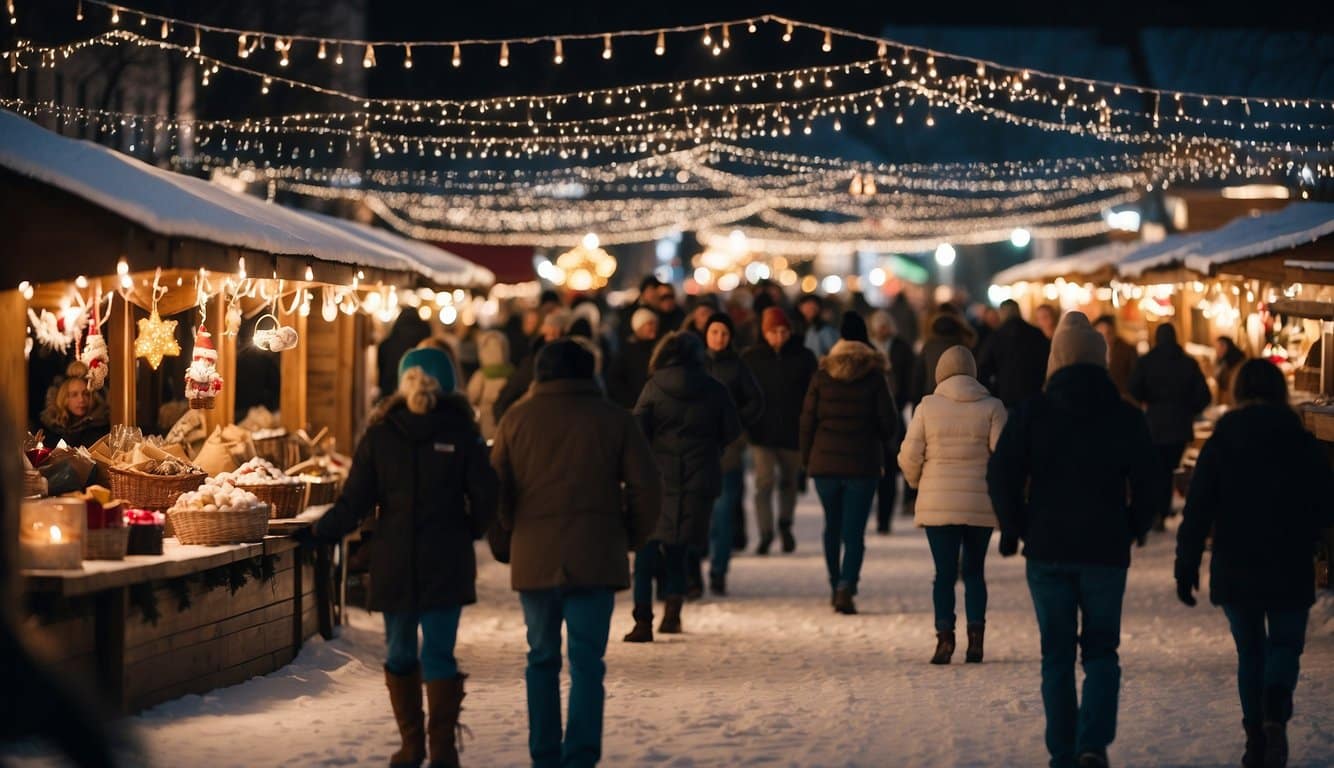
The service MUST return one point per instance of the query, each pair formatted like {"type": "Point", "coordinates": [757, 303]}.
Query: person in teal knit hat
{"type": "Point", "coordinates": [433, 362]}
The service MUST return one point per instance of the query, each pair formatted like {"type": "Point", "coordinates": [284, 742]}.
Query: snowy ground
{"type": "Point", "coordinates": [770, 676]}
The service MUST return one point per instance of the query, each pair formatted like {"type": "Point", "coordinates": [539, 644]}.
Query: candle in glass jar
{"type": "Point", "coordinates": [51, 534]}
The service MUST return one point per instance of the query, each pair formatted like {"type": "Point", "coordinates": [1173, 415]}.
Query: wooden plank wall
{"type": "Point", "coordinates": [292, 401]}
{"type": "Point", "coordinates": [331, 366]}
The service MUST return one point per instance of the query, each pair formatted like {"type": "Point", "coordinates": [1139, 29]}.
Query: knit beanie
{"type": "Point", "coordinates": [1076, 343]}
{"type": "Point", "coordinates": [721, 317]}
{"type": "Point", "coordinates": [774, 317]}
{"type": "Point", "coordinates": [642, 316]}
{"type": "Point", "coordinates": [853, 328]}
{"type": "Point", "coordinates": [955, 361]}
{"type": "Point", "coordinates": [564, 359]}
{"type": "Point", "coordinates": [433, 362]}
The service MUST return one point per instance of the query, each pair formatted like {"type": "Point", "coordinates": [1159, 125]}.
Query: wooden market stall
{"type": "Point", "coordinates": [85, 227]}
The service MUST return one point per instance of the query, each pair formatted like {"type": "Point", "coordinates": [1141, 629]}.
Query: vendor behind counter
{"type": "Point", "coordinates": [74, 412]}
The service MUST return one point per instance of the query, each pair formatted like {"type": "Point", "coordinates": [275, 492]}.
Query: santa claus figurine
{"type": "Point", "coordinates": [95, 356]}
{"type": "Point", "coordinates": [202, 382]}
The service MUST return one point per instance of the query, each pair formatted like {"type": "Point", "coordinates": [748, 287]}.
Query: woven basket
{"type": "Point", "coordinates": [321, 491]}
{"type": "Point", "coordinates": [227, 526]}
{"type": "Point", "coordinates": [202, 403]}
{"type": "Point", "coordinates": [286, 500]}
{"type": "Point", "coordinates": [106, 543]}
{"type": "Point", "coordinates": [156, 492]}
{"type": "Point", "coordinates": [280, 450]}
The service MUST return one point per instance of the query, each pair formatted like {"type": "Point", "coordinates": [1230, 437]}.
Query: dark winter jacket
{"type": "Point", "coordinates": [945, 331]}
{"type": "Point", "coordinates": [848, 416]}
{"type": "Point", "coordinates": [519, 381]}
{"type": "Point", "coordinates": [1012, 362]}
{"type": "Point", "coordinates": [1059, 475]}
{"type": "Point", "coordinates": [901, 363]}
{"type": "Point", "coordinates": [578, 487]}
{"type": "Point", "coordinates": [77, 433]}
{"type": "Point", "coordinates": [783, 376]}
{"type": "Point", "coordinates": [436, 492]}
{"type": "Point", "coordinates": [1172, 388]}
{"type": "Point", "coordinates": [689, 419]}
{"type": "Point", "coordinates": [728, 368]}
{"type": "Point", "coordinates": [628, 372]}
{"type": "Point", "coordinates": [1263, 485]}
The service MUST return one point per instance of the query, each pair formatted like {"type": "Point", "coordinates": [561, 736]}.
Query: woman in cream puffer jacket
{"type": "Point", "coordinates": [944, 456]}
{"type": "Point", "coordinates": [493, 352]}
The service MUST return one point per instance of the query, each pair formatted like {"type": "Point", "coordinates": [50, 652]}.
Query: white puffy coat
{"type": "Point", "coordinates": [945, 453]}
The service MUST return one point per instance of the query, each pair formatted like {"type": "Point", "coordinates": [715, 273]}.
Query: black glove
{"type": "Point", "coordinates": [1186, 585]}
{"type": "Point", "coordinates": [1009, 545]}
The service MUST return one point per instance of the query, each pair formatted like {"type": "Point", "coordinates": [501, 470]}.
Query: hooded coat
{"type": "Point", "coordinates": [489, 380]}
{"type": "Point", "coordinates": [848, 414]}
{"type": "Point", "coordinates": [949, 442]}
{"type": "Point", "coordinates": [728, 368]}
{"type": "Point", "coordinates": [429, 476]}
{"type": "Point", "coordinates": [688, 418]}
{"type": "Point", "coordinates": [784, 376]}
{"type": "Point", "coordinates": [1172, 388]}
{"type": "Point", "coordinates": [1012, 363]}
{"type": "Point", "coordinates": [1264, 534]}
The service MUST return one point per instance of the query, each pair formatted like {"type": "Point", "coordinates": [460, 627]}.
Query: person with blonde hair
{"type": "Point", "coordinates": [423, 463]}
{"type": "Point", "coordinates": [74, 413]}
{"type": "Point", "coordinates": [489, 380]}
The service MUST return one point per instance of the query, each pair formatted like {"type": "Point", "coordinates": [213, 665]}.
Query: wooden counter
{"type": "Point", "coordinates": [95, 624]}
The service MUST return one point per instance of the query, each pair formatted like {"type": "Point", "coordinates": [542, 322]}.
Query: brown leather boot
{"type": "Point", "coordinates": [671, 616]}
{"type": "Point", "coordinates": [843, 602]}
{"type": "Point", "coordinates": [446, 700]}
{"type": "Point", "coordinates": [974, 653]}
{"type": "Point", "coordinates": [643, 631]}
{"type": "Point", "coordinates": [944, 647]}
{"type": "Point", "coordinates": [405, 695]}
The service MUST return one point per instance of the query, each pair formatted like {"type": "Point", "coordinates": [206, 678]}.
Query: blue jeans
{"type": "Point", "coordinates": [1267, 662]}
{"type": "Point", "coordinates": [722, 524]}
{"type": "Point", "coordinates": [1065, 596]}
{"type": "Point", "coordinates": [847, 505]}
{"type": "Point", "coordinates": [655, 558]}
{"type": "Point", "coordinates": [440, 628]}
{"type": "Point", "coordinates": [946, 541]}
{"type": "Point", "coordinates": [586, 614]}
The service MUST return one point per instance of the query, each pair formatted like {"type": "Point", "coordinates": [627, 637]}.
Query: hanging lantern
{"type": "Point", "coordinates": [586, 267]}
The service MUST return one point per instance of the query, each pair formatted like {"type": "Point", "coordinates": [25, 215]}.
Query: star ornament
{"type": "Point", "coordinates": [157, 339]}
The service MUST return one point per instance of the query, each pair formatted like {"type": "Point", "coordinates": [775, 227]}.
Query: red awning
{"type": "Point", "coordinates": [511, 263]}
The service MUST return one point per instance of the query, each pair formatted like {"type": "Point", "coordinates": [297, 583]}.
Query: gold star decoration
{"type": "Point", "coordinates": [157, 339]}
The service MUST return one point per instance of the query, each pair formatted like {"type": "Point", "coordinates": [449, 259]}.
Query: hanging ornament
{"type": "Point", "coordinates": [202, 382]}
{"type": "Point", "coordinates": [275, 338]}
{"type": "Point", "coordinates": [233, 320]}
{"type": "Point", "coordinates": [157, 337]}
{"type": "Point", "coordinates": [94, 354]}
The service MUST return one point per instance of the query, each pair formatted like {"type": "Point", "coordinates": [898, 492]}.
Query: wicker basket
{"type": "Point", "coordinates": [227, 526]}
{"type": "Point", "coordinates": [279, 450]}
{"type": "Point", "coordinates": [286, 499]}
{"type": "Point", "coordinates": [202, 403]}
{"type": "Point", "coordinates": [106, 543]}
{"type": "Point", "coordinates": [156, 492]}
{"type": "Point", "coordinates": [321, 491]}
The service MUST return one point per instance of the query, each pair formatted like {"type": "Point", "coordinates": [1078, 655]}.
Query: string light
{"type": "Point", "coordinates": [457, 59]}
{"type": "Point", "coordinates": [322, 53]}
{"type": "Point", "coordinates": [559, 58]}
{"type": "Point", "coordinates": [660, 47]}
{"type": "Point", "coordinates": [78, 11]}
{"type": "Point", "coordinates": [828, 44]}
{"type": "Point", "coordinates": [407, 57]}
{"type": "Point", "coordinates": [368, 60]}
{"type": "Point", "coordinates": [338, 56]}
{"type": "Point", "coordinates": [115, 15]}
{"type": "Point", "coordinates": [606, 46]}
{"type": "Point", "coordinates": [727, 37]}
{"type": "Point", "coordinates": [787, 33]}
{"type": "Point", "coordinates": [504, 54]}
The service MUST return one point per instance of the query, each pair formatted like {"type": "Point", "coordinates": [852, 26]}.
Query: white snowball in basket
{"type": "Point", "coordinates": [217, 494]}
{"type": "Point", "coordinates": [258, 471]}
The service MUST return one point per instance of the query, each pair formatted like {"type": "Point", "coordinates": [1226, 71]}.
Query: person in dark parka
{"type": "Point", "coordinates": [1173, 390]}
{"type": "Point", "coordinates": [1012, 363]}
{"type": "Point", "coordinates": [1262, 568]}
{"type": "Point", "coordinates": [783, 367]}
{"type": "Point", "coordinates": [847, 419]}
{"type": "Point", "coordinates": [1058, 481]}
{"type": "Point", "coordinates": [725, 365]}
{"type": "Point", "coordinates": [947, 328]}
{"type": "Point", "coordinates": [688, 418]}
{"type": "Point", "coordinates": [423, 463]}
{"type": "Point", "coordinates": [629, 370]}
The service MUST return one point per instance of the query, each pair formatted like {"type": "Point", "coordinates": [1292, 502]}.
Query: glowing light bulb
{"type": "Point", "coordinates": [828, 44]}
{"type": "Point", "coordinates": [661, 46]}
{"type": "Point", "coordinates": [606, 46]}
{"type": "Point", "coordinates": [338, 57]}
{"type": "Point", "coordinates": [115, 15]}
{"type": "Point", "coordinates": [310, 273]}
{"type": "Point", "coordinates": [727, 37]}
{"type": "Point", "coordinates": [1020, 237]}
{"type": "Point", "coordinates": [559, 58]}
{"type": "Point", "coordinates": [322, 53]}
{"type": "Point", "coordinates": [240, 268]}
{"type": "Point", "coordinates": [81, 282]}
{"type": "Point", "coordinates": [407, 57]}
{"type": "Point", "coordinates": [78, 11]}
{"type": "Point", "coordinates": [457, 60]}
{"type": "Point", "coordinates": [56, 535]}
{"type": "Point", "coordinates": [122, 267]}
{"type": "Point", "coordinates": [591, 241]}
{"type": "Point", "coordinates": [504, 54]}
{"type": "Point", "coordinates": [945, 254]}
{"type": "Point", "coordinates": [708, 38]}
{"type": "Point", "coordinates": [242, 47]}
{"type": "Point", "coordinates": [368, 60]}
{"type": "Point", "coordinates": [787, 33]}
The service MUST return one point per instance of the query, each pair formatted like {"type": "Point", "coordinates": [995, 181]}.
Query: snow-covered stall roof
{"type": "Point", "coordinates": [1244, 238]}
{"type": "Point", "coordinates": [1085, 262]}
{"type": "Point", "coordinates": [435, 263]}
{"type": "Point", "coordinates": [175, 205]}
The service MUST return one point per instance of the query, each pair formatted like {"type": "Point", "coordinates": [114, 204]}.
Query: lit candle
{"type": "Point", "coordinates": [51, 533]}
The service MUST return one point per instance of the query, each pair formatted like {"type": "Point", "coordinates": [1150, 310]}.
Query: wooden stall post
{"type": "Point", "coordinates": [13, 417]}
{"type": "Point", "coordinates": [224, 410]}
{"type": "Point", "coordinates": [292, 402]}
{"type": "Point", "coordinates": [119, 332]}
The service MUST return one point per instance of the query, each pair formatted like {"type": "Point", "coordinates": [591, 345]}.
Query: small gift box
{"type": "Point", "coordinates": [146, 528]}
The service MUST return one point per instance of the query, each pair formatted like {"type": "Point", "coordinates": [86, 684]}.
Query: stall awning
{"type": "Point", "coordinates": [174, 205]}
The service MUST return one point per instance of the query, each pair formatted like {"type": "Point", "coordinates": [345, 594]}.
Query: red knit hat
{"type": "Point", "coordinates": [774, 317]}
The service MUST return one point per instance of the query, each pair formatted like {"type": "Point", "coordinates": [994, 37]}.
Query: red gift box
{"type": "Point", "coordinates": [100, 516]}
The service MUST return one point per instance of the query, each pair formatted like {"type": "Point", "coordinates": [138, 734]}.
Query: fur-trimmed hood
{"type": "Point", "coordinates": [851, 360]}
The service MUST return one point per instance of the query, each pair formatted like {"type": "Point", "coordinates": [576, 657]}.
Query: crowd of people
{"type": "Point", "coordinates": [579, 442]}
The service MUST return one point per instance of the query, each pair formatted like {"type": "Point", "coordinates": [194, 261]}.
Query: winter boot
{"type": "Point", "coordinates": [766, 541]}
{"type": "Point", "coordinates": [643, 631]}
{"type": "Point", "coordinates": [1254, 756]}
{"type": "Point", "coordinates": [405, 696]}
{"type": "Point", "coordinates": [446, 700]}
{"type": "Point", "coordinates": [717, 585]}
{"type": "Point", "coordinates": [694, 580]}
{"type": "Point", "coordinates": [843, 602]}
{"type": "Point", "coordinates": [974, 653]}
{"type": "Point", "coordinates": [944, 647]}
{"type": "Point", "coordinates": [1277, 706]}
{"type": "Point", "coordinates": [1093, 760]}
{"type": "Point", "coordinates": [671, 617]}
{"type": "Point", "coordinates": [789, 542]}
